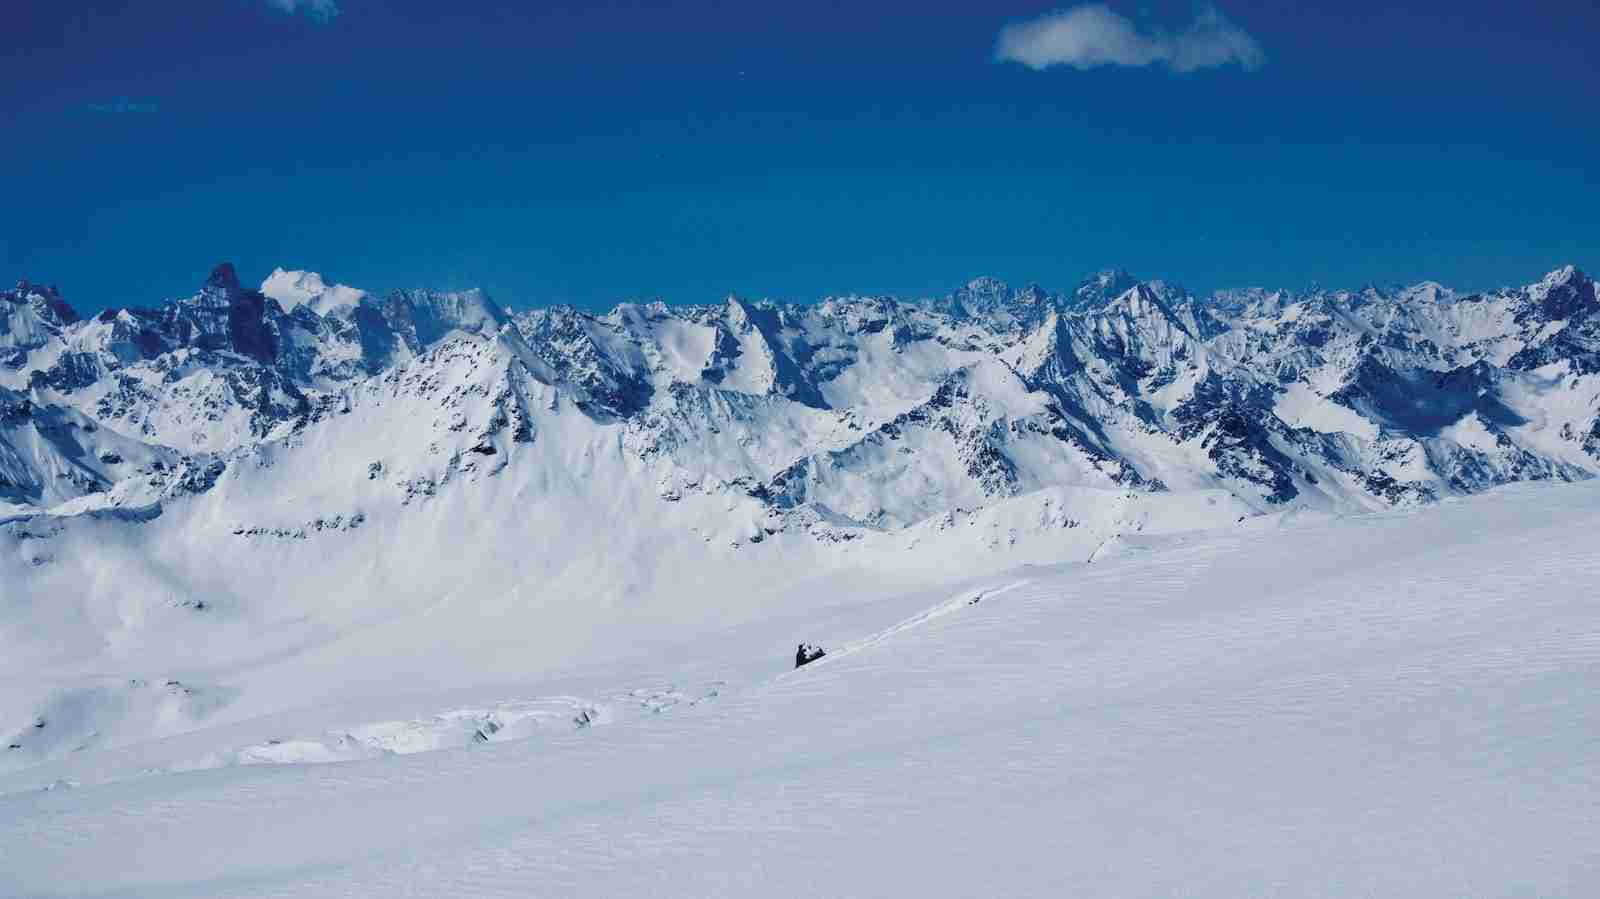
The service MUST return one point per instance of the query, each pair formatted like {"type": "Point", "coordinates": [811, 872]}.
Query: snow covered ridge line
{"type": "Point", "coordinates": [853, 413]}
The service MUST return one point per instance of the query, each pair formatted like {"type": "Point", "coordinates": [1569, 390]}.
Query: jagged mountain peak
{"type": "Point", "coordinates": [1240, 298]}
{"type": "Point", "coordinates": [293, 289]}
{"type": "Point", "coordinates": [30, 316]}
{"type": "Point", "coordinates": [472, 301]}
{"type": "Point", "coordinates": [1425, 292]}
{"type": "Point", "coordinates": [983, 294]}
{"type": "Point", "coordinates": [46, 299]}
{"type": "Point", "coordinates": [1566, 274]}
{"type": "Point", "coordinates": [1563, 291]}
{"type": "Point", "coordinates": [1149, 313]}
{"type": "Point", "coordinates": [738, 310]}
{"type": "Point", "coordinates": [1168, 291]}
{"type": "Point", "coordinates": [223, 277]}
{"type": "Point", "coordinates": [422, 316]}
{"type": "Point", "coordinates": [1103, 285]}
{"type": "Point", "coordinates": [1032, 295]}
{"type": "Point", "coordinates": [994, 300]}
{"type": "Point", "coordinates": [1256, 391]}
{"type": "Point", "coordinates": [223, 317]}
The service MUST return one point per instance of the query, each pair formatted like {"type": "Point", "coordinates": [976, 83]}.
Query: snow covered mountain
{"type": "Point", "coordinates": [305, 523]}
{"type": "Point", "coordinates": [242, 479]}
{"type": "Point", "coordinates": [865, 413]}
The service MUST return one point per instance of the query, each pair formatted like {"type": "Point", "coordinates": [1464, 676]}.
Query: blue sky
{"type": "Point", "coordinates": [588, 153]}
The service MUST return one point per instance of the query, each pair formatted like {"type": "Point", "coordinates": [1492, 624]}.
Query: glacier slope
{"type": "Point", "coordinates": [1406, 708]}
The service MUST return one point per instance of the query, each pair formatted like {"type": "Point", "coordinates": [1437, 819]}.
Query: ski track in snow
{"type": "Point", "coordinates": [954, 604]}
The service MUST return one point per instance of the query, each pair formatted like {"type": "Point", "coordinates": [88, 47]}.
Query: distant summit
{"type": "Point", "coordinates": [858, 412]}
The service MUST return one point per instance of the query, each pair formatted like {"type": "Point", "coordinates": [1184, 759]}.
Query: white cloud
{"type": "Point", "coordinates": [1093, 35]}
{"type": "Point", "coordinates": [321, 10]}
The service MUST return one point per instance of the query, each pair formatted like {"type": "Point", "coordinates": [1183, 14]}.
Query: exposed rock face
{"type": "Point", "coordinates": [856, 411]}
{"type": "Point", "coordinates": [805, 654]}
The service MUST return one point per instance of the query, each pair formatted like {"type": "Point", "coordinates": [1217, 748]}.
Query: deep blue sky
{"type": "Point", "coordinates": [587, 153]}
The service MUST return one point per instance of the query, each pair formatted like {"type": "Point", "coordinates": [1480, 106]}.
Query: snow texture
{"type": "Point", "coordinates": [1123, 591]}
{"type": "Point", "coordinates": [1407, 710]}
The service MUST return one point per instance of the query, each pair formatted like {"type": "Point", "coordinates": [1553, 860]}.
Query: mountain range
{"type": "Point", "coordinates": [259, 499]}
{"type": "Point", "coordinates": [849, 416]}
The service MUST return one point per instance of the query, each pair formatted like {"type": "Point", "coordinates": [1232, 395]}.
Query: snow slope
{"type": "Point", "coordinates": [260, 529]}
{"type": "Point", "coordinates": [270, 474]}
{"type": "Point", "coordinates": [1392, 704]}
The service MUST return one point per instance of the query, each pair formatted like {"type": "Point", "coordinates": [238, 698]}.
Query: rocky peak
{"type": "Point", "coordinates": [994, 299]}
{"type": "Point", "coordinates": [46, 299]}
{"type": "Point", "coordinates": [223, 277]}
{"type": "Point", "coordinates": [31, 314]}
{"type": "Point", "coordinates": [224, 316]}
{"type": "Point", "coordinates": [987, 285]}
{"type": "Point", "coordinates": [983, 295]}
{"type": "Point", "coordinates": [1566, 274]}
{"type": "Point", "coordinates": [1103, 286]}
{"type": "Point", "coordinates": [1031, 295]}
{"type": "Point", "coordinates": [1564, 293]}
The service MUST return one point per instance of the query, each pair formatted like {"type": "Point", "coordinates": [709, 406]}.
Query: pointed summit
{"type": "Point", "coordinates": [1566, 274]}
{"type": "Point", "coordinates": [30, 316]}
{"type": "Point", "coordinates": [45, 300]}
{"type": "Point", "coordinates": [224, 277]}
{"type": "Point", "coordinates": [1563, 293]}
{"type": "Point", "coordinates": [1103, 286]}
{"type": "Point", "coordinates": [984, 295]}
{"type": "Point", "coordinates": [295, 288]}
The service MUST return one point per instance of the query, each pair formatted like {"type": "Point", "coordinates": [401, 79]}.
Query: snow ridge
{"type": "Point", "coordinates": [1332, 400]}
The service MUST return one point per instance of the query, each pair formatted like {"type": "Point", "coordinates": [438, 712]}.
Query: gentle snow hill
{"type": "Point", "coordinates": [1394, 704]}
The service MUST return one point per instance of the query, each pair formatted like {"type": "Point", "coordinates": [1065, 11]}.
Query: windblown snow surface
{"type": "Point", "coordinates": [1400, 703]}
{"type": "Point", "coordinates": [310, 591]}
